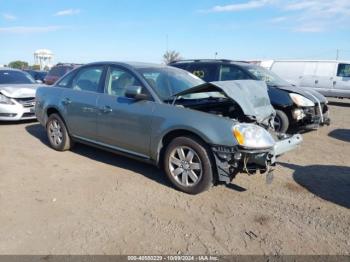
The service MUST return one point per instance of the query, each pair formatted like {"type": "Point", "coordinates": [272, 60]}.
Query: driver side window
{"type": "Point", "coordinates": [88, 79]}
{"type": "Point", "coordinates": [118, 80]}
{"type": "Point", "coordinates": [343, 70]}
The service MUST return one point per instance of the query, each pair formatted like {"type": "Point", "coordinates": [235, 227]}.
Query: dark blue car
{"type": "Point", "coordinates": [296, 108]}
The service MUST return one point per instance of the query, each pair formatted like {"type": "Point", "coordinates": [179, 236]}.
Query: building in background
{"type": "Point", "coordinates": [44, 58]}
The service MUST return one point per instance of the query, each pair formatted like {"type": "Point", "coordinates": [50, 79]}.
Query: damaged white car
{"type": "Point", "coordinates": [17, 95]}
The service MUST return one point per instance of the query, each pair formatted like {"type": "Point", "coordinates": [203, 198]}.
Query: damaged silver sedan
{"type": "Point", "coordinates": [200, 133]}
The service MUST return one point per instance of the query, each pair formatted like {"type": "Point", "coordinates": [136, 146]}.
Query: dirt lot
{"type": "Point", "coordinates": [91, 202]}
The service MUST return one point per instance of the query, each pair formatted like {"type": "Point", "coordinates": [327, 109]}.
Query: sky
{"type": "Point", "coordinates": [142, 30]}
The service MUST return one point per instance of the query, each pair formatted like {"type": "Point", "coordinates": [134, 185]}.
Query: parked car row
{"type": "Point", "coordinates": [203, 126]}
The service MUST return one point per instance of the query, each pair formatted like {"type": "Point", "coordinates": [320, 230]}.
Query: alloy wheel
{"type": "Point", "coordinates": [185, 166]}
{"type": "Point", "coordinates": [55, 132]}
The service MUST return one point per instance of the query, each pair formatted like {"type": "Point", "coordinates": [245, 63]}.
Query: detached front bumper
{"type": "Point", "coordinates": [233, 160]}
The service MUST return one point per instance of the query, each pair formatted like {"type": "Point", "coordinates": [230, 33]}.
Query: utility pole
{"type": "Point", "coordinates": [338, 51]}
{"type": "Point", "coordinates": [216, 54]}
{"type": "Point", "coordinates": [167, 42]}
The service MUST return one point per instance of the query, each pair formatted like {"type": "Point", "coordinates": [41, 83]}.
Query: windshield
{"type": "Point", "coordinates": [268, 76]}
{"type": "Point", "coordinates": [168, 81]}
{"type": "Point", "coordinates": [15, 77]}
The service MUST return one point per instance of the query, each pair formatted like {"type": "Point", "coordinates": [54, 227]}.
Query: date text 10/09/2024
{"type": "Point", "coordinates": [173, 258]}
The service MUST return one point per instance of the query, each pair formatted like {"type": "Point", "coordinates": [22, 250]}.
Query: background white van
{"type": "Point", "coordinates": [329, 77]}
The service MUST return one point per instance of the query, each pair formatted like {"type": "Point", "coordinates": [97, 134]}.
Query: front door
{"type": "Point", "coordinates": [124, 123]}
{"type": "Point", "coordinates": [80, 102]}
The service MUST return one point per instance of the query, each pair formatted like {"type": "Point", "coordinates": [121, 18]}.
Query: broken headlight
{"type": "Point", "coordinates": [252, 136]}
{"type": "Point", "coordinates": [300, 100]}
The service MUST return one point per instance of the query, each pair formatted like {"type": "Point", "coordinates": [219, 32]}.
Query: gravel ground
{"type": "Point", "coordinates": [88, 201]}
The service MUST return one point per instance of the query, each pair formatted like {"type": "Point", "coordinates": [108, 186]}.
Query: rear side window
{"type": "Point", "coordinates": [228, 72]}
{"type": "Point", "coordinates": [343, 70]}
{"type": "Point", "coordinates": [88, 79]}
{"type": "Point", "coordinates": [207, 72]}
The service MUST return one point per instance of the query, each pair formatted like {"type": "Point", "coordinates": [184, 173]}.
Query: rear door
{"type": "Point", "coordinates": [324, 77]}
{"type": "Point", "coordinates": [80, 102]}
{"type": "Point", "coordinates": [308, 76]}
{"type": "Point", "coordinates": [291, 71]}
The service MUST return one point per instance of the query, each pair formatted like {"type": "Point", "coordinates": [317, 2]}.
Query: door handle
{"type": "Point", "coordinates": [66, 101]}
{"type": "Point", "coordinates": [316, 81]}
{"type": "Point", "coordinates": [334, 83]}
{"type": "Point", "coordinates": [106, 109]}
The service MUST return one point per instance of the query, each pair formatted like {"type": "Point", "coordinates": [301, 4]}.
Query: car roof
{"type": "Point", "coordinates": [136, 65]}
{"type": "Point", "coordinates": [212, 61]}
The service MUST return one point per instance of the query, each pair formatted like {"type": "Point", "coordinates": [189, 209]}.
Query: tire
{"type": "Point", "coordinates": [197, 164]}
{"type": "Point", "coordinates": [57, 133]}
{"type": "Point", "coordinates": [281, 122]}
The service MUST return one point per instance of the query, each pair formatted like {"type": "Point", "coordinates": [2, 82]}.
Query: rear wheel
{"type": "Point", "coordinates": [188, 165]}
{"type": "Point", "coordinates": [281, 122]}
{"type": "Point", "coordinates": [57, 133]}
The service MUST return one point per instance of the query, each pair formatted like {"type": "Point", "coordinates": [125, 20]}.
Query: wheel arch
{"type": "Point", "coordinates": [53, 110]}
{"type": "Point", "coordinates": [169, 136]}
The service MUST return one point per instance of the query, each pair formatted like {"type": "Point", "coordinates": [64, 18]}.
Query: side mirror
{"type": "Point", "coordinates": [135, 92]}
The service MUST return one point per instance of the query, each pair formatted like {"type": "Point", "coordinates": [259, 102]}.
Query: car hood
{"type": "Point", "coordinates": [250, 95]}
{"type": "Point", "coordinates": [308, 92]}
{"type": "Point", "coordinates": [19, 91]}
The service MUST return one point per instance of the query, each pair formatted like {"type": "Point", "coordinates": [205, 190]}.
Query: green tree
{"type": "Point", "coordinates": [171, 56]}
{"type": "Point", "coordinates": [18, 64]}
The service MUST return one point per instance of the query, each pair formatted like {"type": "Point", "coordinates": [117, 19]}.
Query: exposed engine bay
{"type": "Point", "coordinates": [245, 100]}
{"type": "Point", "coordinates": [224, 107]}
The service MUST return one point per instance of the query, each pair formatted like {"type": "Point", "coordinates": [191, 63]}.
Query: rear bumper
{"type": "Point", "coordinates": [232, 160]}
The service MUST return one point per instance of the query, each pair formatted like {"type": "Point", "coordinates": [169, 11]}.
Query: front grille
{"type": "Point", "coordinates": [26, 102]}
{"type": "Point", "coordinates": [28, 115]}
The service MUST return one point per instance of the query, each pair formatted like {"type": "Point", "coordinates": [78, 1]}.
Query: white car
{"type": "Point", "coordinates": [17, 95]}
{"type": "Point", "coordinates": [329, 77]}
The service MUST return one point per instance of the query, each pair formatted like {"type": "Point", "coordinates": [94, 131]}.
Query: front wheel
{"type": "Point", "coordinates": [188, 165]}
{"type": "Point", "coordinates": [281, 122]}
{"type": "Point", "coordinates": [57, 133]}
